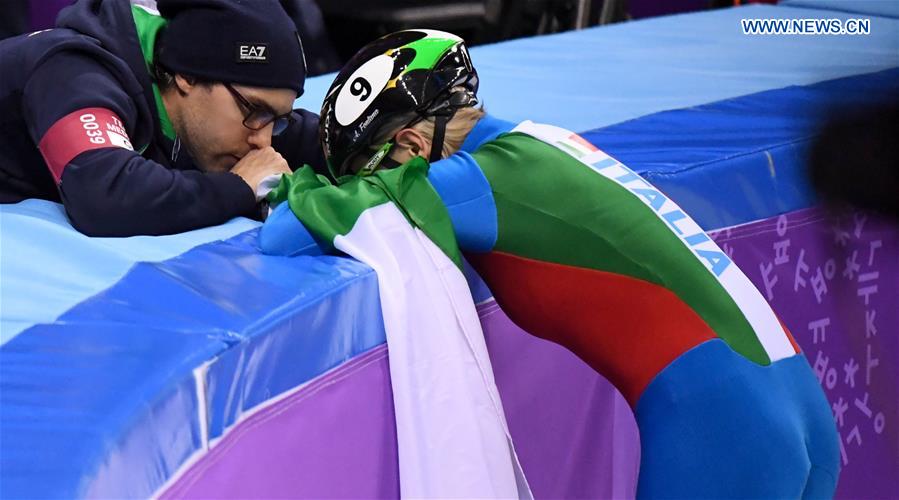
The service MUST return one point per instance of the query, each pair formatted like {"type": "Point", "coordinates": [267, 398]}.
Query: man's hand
{"type": "Point", "coordinates": [259, 164]}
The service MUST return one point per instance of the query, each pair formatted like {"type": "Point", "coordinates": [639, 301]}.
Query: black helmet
{"type": "Point", "coordinates": [419, 71]}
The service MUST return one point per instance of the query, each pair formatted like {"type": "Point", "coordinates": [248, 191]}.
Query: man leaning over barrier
{"type": "Point", "coordinates": [141, 123]}
{"type": "Point", "coordinates": [580, 250]}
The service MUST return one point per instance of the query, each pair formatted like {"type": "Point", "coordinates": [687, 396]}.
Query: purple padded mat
{"type": "Point", "coordinates": [834, 281]}
{"type": "Point", "coordinates": [335, 437]}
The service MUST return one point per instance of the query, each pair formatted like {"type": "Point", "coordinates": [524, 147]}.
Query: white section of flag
{"type": "Point", "coordinates": [266, 185]}
{"type": "Point", "coordinates": [452, 436]}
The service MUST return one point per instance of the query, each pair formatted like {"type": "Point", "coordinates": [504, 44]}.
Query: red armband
{"type": "Point", "coordinates": [80, 131]}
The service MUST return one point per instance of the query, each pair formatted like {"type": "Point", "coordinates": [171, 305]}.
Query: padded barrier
{"type": "Point", "coordinates": [741, 159]}
{"type": "Point", "coordinates": [584, 80]}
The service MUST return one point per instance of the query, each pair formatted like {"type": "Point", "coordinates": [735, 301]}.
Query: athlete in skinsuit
{"type": "Point", "coordinates": [580, 250]}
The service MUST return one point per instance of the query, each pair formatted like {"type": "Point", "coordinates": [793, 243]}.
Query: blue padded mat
{"type": "Point", "coordinates": [220, 323]}
{"type": "Point", "coordinates": [43, 255]}
{"type": "Point", "coordinates": [583, 80]}
{"type": "Point", "coordinates": [741, 159]}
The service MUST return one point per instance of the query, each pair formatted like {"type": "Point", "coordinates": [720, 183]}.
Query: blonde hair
{"type": "Point", "coordinates": [457, 130]}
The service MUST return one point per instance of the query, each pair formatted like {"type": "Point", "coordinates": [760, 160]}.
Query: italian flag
{"type": "Point", "coordinates": [590, 255]}
{"type": "Point", "coordinates": [452, 436]}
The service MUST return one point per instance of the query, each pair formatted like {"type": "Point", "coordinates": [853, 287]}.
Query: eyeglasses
{"type": "Point", "coordinates": [258, 117]}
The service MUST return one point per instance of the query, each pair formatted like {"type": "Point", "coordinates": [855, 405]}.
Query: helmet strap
{"type": "Point", "coordinates": [440, 122]}
{"type": "Point", "coordinates": [377, 159]}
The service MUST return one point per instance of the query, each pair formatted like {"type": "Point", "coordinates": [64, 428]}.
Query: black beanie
{"type": "Point", "coordinates": [248, 42]}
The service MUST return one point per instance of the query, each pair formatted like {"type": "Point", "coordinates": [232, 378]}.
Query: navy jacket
{"type": "Point", "coordinates": [72, 80]}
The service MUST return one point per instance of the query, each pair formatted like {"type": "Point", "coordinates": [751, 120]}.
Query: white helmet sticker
{"type": "Point", "coordinates": [361, 88]}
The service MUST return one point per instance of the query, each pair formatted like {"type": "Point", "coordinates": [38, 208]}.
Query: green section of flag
{"type": "Point", "coordinates": [329, 211]}
{"type": "Point", "coordinates": [552, 207]}
{"type": "Point", "coordinates": [148, 27]}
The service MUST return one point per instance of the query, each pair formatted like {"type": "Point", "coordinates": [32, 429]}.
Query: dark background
{"type": "Point", "coordinates": [333, 30]}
